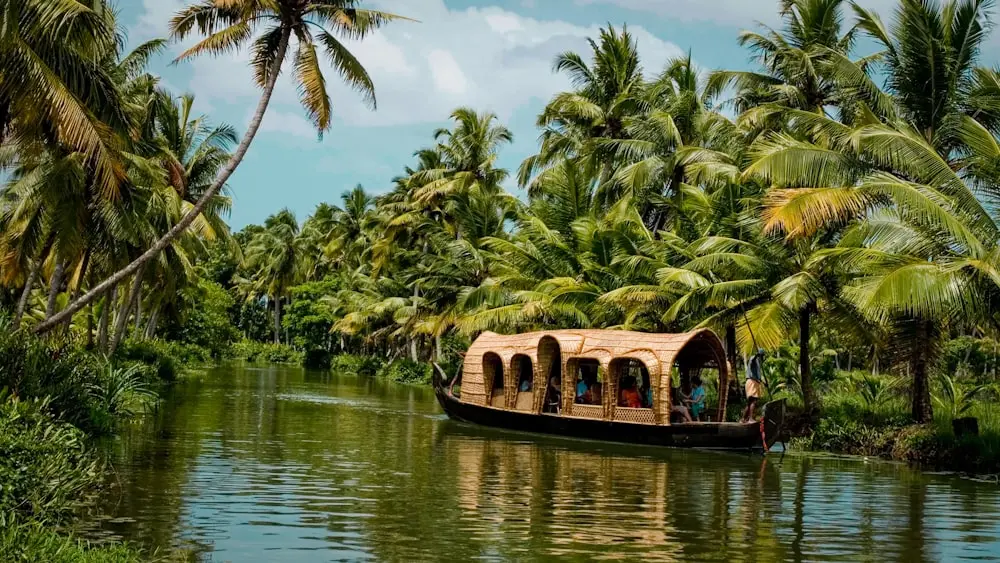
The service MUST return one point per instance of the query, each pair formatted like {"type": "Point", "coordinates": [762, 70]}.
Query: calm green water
{"type": "Point", "coordinates": [277, 464]}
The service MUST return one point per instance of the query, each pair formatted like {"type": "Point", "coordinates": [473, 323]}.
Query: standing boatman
{"type": "Point", "coordinates": [755, 383]}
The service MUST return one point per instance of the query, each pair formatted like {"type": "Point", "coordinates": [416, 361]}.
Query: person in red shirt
{"type": "Point", "coordinates": [629, 396]}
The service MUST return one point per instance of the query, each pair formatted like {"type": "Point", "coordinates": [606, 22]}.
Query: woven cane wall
{"type": "Point", "coordinates": [700, 349]}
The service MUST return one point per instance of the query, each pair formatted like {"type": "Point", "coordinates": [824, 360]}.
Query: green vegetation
{"type": "Point", "coordinates": [845, 219]}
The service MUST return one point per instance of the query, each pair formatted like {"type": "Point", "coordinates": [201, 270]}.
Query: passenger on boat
{"type": "Point", "coordinates": [588, 389]}
{"type": "Point", "coordinates": [525, 385]}
{"type": "Point", "coordinates": [677, 407]}
{"type": "Point", "coordinates": [629, 396]}
{"type": "Point", "coordinates": [647, 388]}
{"type": "Point", "coordinates": [697, 399]}
{"type": "Point", "coordinates": [553, 397]}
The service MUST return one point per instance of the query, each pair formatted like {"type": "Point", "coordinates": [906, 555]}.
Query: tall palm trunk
{"type": "Point", "coordinates": [102, 329]}
{"type": "Point", "coordinates": [54, 287]}
{"type": "Point", "coordinates": [29, 284]}
{"type": "Point", "coordinates": [921, 409]}
{"type": "Point", "coordinates": [151, 324]}
{"type": "Point", "coordinates": [413, 339]}
{"type": "Point", "coordinates": [277, 320]}
{"type": "Point", "coordinates": [79, 285]}
{"type": "Point", "coordinates": [805, 368]}
{"type": "Point", "coordinates": [121, 323]}
{"type": "Point", "coordinates": [189, 218]}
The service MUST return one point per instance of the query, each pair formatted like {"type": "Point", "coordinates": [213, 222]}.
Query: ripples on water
{"type": "Point", "coordinates": [275, 464]}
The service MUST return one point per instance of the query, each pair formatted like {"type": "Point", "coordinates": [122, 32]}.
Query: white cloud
{"type": "Point", "coordinates": [486, 58]}
{"type": "Point", "coordinates": [447, 74]}
{"type": "Point", "coordinates": [287, 123]}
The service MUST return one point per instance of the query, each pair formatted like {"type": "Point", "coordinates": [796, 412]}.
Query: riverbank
{"type": "Point", "coordinates": [55, 399]}
{"type": "Point", "coordinates": [861, 415]}
{"type": "Point", "coordinates": [868, 415]}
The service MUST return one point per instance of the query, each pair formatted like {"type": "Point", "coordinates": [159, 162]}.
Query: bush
{"type": "Point", "coordinates": [205, 321]}
{"type": "Point", "coordinates": [45, 468]}
{"type": "Point", "coordinates": [258, 352]}
{"type": "Point", "coordinates": [351, 364]}
{"type": "Point", "coordinates": [406, 371]}
{"type": "Point", "coordinates": [166, 357]}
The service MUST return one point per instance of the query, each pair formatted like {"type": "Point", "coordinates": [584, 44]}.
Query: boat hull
{"type": "Point", "coordinates": [705, 435]}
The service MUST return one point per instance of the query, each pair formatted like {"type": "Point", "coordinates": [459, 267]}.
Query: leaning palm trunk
{"type": "Point", "coordinates": [189, 218]}
{"type": "Point", "coordinates": [29, 284]}
{"type": "Point", "coordinates": [121, 323]}
{"type": "Point", "coordinates": [55, 285]}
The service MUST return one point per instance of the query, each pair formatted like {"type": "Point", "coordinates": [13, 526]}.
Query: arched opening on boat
{"type": "Point", "coordinates": [633, 386]}
{"type": "Point", "coordinates": [701, 360]}
{"type": "Point", "coordinates": [493, 378]}
{"type": "Point", "coordinates": [588, 387]}
{"type": "Point", "coordinates": [524, 375]}
{"type": "Point", "coordinates": [550, 366]}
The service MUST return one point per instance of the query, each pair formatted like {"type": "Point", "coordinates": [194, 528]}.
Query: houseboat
{"type": "Point", "coordinates": [570, 383]}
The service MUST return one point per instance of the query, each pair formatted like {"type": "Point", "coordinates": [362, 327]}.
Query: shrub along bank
{"type": "Point", "coordinates": [868, 415]}
{"type": "Point", "coordinates": [54, 397]}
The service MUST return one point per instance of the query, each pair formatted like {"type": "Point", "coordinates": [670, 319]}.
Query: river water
{"type": "Point", "coordinates": [279, 464]}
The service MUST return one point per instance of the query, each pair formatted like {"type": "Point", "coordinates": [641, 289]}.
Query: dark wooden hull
{"type": "Point", "coordinates": [706, 435]}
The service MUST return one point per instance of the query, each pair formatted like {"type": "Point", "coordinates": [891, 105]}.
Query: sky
{"type": "Point", "coordinates": [490, 55]}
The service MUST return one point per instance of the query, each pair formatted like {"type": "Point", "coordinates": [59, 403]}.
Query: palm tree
{"type": "Point", "coordinates": [231, 24]}
{"type": "Point", "coordinates": [51, 90]}
{"type": "Point", "coordinates": [794, 62]}
{"type": "Point", "coordinates": [915, 177]}
{"type": "Point", "coordinates": [607, 92]}
{"type": "Point", "coordinates": [273, 259]}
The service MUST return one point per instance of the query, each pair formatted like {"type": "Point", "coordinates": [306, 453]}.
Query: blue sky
{"type": "Point", "coordinates": [487, 54]}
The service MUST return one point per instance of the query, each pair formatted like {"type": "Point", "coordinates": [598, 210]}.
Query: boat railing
{"type": "Point", "coordinates": [587, 411]}
{"type": "Point", "coordinates": [632, 414]}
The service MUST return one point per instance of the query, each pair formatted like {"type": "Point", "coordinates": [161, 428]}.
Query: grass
{"type": "Point", "coordinates": [34, 541]}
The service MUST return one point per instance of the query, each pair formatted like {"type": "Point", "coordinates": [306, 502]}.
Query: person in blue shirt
{"type": "Point", "coordinates": [697, 398]}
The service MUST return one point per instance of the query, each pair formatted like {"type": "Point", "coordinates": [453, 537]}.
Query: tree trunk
{"type": "Point", "coordinates": [54, 286]}
{"type": "Point", "coordinates": [151, 325]}
{"type": "Point", "coordinates": [79, 284]}
{"type": "Point", "coordinates": [732, 353]}
{"type": "Point", "coordinates": [277, 320]}
{"type": "Point", "coordinates": [185, 222]}
{"type": "Point", "coordinates": [921, 399]}
{"type": "Point", "coordinates": [121, 323]}
{"type": "Point", "coordinates": [438, 353]}
{"type": "Point", "coordinates": [90, 327]}
{"type": "Point", "coordinates": [102, 330]}
{"type": "Point", "coordinates": [29, 284]}
{"type": "Point", "coordinates": [137, 331]}
{"type": "Point", "coordinates": [805, 369]}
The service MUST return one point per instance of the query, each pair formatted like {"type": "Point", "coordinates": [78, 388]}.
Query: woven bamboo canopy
{"type": "Point", "coordinates": [505, 360]}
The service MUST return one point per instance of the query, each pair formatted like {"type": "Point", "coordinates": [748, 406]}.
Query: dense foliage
{"type": "Point", "coordinates": [834, 205]}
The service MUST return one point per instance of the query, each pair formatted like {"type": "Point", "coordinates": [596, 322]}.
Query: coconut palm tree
{"type": "Point", "coordinates": [606, 93]}
{"type": "Point", "coordinates": [273, 260]}
{"type": "Point", "coordinates": [50, 89]}
{"type": "Point", "coordinates": [230, 25]}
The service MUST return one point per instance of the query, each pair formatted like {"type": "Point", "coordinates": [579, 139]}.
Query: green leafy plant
{"type": "Point", "coordinates": [953, 398]}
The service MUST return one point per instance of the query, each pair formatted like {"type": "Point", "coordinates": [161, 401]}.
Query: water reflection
{"type": "Point", "coordinates": [270, 464]}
